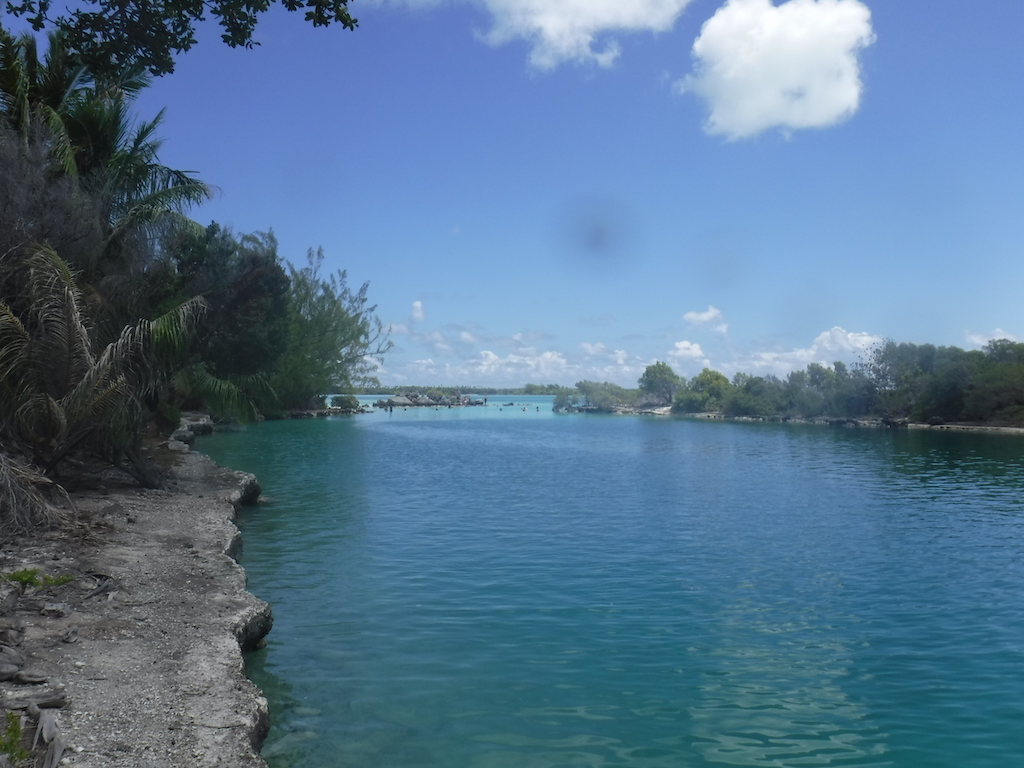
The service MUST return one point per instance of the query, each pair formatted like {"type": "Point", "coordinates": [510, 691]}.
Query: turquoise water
{"type": "Point", "coordinates": [485, 588]}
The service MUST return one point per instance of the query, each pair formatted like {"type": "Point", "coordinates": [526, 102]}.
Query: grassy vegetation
{"type": "Point", "coordinates": [29, 577]}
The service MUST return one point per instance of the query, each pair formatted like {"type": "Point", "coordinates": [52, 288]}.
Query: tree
{"type": "Point", "coordinates": [898, 372]}
{"type": "Point", "coordinates": [566, 399]}
{"type": "Point", "coordinates": [98, 162]}
{"type": "Point", "coordinates": [759, 396]}
{"type": "Point", "coordinates": [59, 394]}
{"type": "Point", "coordinates": [111, 35]}
{"type": "Point", "coordinates": [334, 338]}
{"type": "Point", "coordinates": [704, 393]}
{"type": "Point", "coordinates": [603, 395]}
{"type": "Point", "coordinates": [660, 381]}
{"type": "Point", "coordinates": [245, 332]}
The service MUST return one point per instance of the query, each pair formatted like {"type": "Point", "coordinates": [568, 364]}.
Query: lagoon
{"type": "Point", "coordinates": [506, 588]}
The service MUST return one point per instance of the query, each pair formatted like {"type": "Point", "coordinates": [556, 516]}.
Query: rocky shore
{"type": "Point", "coordinates": [130, 640]}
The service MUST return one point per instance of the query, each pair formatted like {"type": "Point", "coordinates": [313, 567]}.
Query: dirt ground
{"type": "Point", "coordinates": [143, 642]}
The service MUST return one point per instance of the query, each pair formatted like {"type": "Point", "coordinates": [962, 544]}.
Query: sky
{"type": "Point", "coordinates": [556, 190]}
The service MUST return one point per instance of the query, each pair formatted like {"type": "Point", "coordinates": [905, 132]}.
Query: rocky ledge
{"type": "Point", "coordinates": [128, 632]}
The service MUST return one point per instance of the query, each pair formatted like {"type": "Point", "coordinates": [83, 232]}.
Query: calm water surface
{"type": "Point", "coordinates": [485, 588]}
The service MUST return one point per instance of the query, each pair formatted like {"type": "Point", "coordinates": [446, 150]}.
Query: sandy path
{"type": "Point", "coordinates": [156, 676]}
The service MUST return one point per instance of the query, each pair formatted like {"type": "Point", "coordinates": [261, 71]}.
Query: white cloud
{"type": "Point", "coordinates": [686, 350]}
{"type": "Point", "coordinates": [593, 350]}
{"type": "Point", "coordinates": [575, 30]}
{"type": "Point", "coordinates": [710, 315]}
{"type": "Point", "coordinates": [981, 339]}
{"type": "Point", "coordinates": [829, 346]}
{"type": "Point", "coordinates": [792, 66]}
{"type": "Point", "coordinates": [417, 314]}
{"type": "Point", "coordinates": [398, 329]}
{"type": "Point", "coordinates": [469, 338]}
{"type": "Point", "coordinates": [542, 366]}
{"type": "Point", "coordinates": [688, 357]}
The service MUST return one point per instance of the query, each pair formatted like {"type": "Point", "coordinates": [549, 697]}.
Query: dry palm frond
{"type": "Point", "coordinates": [58, 395]}
{"type": "Point", "coordinates": [24, 505]}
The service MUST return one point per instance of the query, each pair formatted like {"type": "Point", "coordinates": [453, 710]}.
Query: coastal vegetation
{"type": "Point", "coordinates": [897, 381]}
{"type": "Point", "coordinates": [117, 310]}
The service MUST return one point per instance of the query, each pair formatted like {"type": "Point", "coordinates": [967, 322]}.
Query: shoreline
{"type": "Point", "coordinates": [146, 645]}
{"type": "Point", "coordinates": [874, 422]}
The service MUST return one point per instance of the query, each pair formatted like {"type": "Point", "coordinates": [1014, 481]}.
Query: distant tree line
{"type": "Point", "coordinates": [919, 382]}
{"type": "Point", "coordinates": [450, 391]}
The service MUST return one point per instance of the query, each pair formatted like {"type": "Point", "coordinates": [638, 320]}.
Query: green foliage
{"type": "Point", "coordinates": [29, 577]}
{"type": "Point", "coordinates": [242, 278]}
{"type": "Point", "coordinates": [660, 381]}
{"type": "Point", "coordinates": [996, 393]}
{"type": "Point", "coordinates": [603, 395]}
{"type": "Point", "coordinates": [899, 372]}
{"type": "Point", "coordinates": [10, 740]}
{"type": "Point", "coordinates": [704, 393]}
{"type": "Point", "coordinates": [57, 581]}
{"type": "Point", "coordinates": [26, 577]}
{"type": "Point", "coordinates": [167, 416]}
{"type": "Point", "coordinates": [1000, 351]}
{"type": "Point", "coordinates": [348, 402]}
{"type": "Point", "coordinates": [58, 394]}
{"type": "Point", "coordinates": [566, 399]}
{"type": "Point", "coordinates": [334, 339]}
{"type": "Point", "coordinates": [85, 124]}
{"type": "Point", "coordinates": [757, 396]}
{"type": "Point", "coordinates": [111, 35]}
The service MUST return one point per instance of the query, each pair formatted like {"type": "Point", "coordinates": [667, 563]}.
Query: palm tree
{"type": "Point", "coordinates": [58, 395]}
{"type": "Point", "coordinates": [89, 129]}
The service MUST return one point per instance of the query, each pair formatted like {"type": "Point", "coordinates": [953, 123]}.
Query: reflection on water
{"type": "Point", "coordinates": [514, 588]}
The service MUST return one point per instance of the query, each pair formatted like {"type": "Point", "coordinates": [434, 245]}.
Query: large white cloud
{"type": "Point", "coordinates": [829, 346]}
{"type": "Point", "coordinates": [688, 357]}
{"type": "Point", "coordinates": [576, 30]}
{"type": "Point", "coordinates": [791, 66]}
{"type": "Point", "coordinates": [686, 349]}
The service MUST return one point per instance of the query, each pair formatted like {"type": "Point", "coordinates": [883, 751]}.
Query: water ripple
{"type": "Point", "coordinates": [469, 588]}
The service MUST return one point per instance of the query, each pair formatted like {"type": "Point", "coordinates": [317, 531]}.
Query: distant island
{"type": "Point", "coordinates": [897, 383]}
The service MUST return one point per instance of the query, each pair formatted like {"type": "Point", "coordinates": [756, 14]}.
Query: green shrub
{"type": "Point", "coordinates": [10, 740]}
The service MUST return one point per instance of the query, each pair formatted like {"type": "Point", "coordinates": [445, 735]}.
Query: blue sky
{"type": "Point", "coordinates": [553, 190]}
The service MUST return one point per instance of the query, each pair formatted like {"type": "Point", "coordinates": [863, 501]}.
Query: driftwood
{"type": "Point", "coordinates": [47, 729]}
{"type": "Point", "coordinates": [54, 753]}
{"type": "Point", "coordinates": [43, 700]}
{"type": "Point", "coordinates": [106, 583]}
